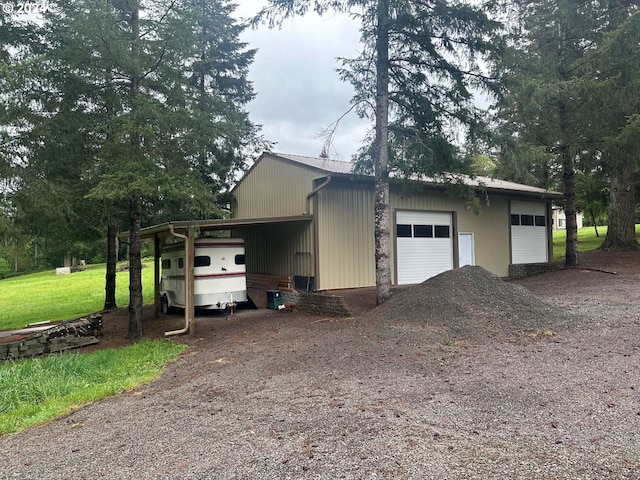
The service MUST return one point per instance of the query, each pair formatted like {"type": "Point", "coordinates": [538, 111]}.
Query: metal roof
{"type": "Point", "coordinates": [492, 184]}
{"type": "Point", "coordinates": [325, 164]}
{"type": "Point", "coordinates": [341, 167]}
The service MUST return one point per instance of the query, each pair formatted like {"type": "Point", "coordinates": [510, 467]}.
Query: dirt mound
{"type": "Point", "coordinates": [468, 303]}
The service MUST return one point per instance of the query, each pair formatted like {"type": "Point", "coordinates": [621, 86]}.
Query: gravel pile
{"type": "Point", "coordinates": [468, 304]}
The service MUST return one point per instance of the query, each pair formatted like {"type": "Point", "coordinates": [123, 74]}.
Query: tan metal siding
{"type": "Point", "coordinates": [346, 243]}
{"type": "Point", "coordinates": [276, 249]}
{"type": "Point", "coordinates": [345, 237]}
{"type": "Point", "coordinates": [491, 227]}
{"type": "Point", "coordinates": [344, 225]}
{"type": "Point", "coordinates": [273, 188]}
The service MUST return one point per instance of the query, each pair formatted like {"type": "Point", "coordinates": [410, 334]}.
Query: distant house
{"type": "Point", "coordinates": [312, 219]}
{"type": "Point", "coordinates": [559, 219]}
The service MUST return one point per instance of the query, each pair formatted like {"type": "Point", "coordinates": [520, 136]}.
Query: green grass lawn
{"type": "Point", "coordinates": [587, 240]}
{"type": "Point", "coordinates": [33, 391]}
{"type": "Point", "coordinates": [45, 296]}
{"type": "Point", "coordinates": [37, 390]}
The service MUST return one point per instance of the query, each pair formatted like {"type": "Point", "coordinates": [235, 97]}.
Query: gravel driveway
{"type": "Point", "coordinates": [280, 395]}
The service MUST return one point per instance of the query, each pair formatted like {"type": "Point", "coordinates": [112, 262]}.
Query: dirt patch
{"type": "Point", "coordinates": [625, 263]}
{"type": "Point", "coordinates": [461, 305]}
{"type": "Point", "coordinates": [115, 327]}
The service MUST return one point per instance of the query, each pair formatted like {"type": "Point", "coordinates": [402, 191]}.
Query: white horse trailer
{"type": "Point", "coordinates": [220, 278]}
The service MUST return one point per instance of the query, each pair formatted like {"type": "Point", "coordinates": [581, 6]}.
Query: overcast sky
{"type": "Point", "coordinates": [298, 90]}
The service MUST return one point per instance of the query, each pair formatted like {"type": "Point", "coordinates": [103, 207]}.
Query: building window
{"type": "Point", "coordinates": [166, 264]}
{"type": "Point", "coordinates": [180, 262]}
{"type": "Point", "coordinates": [403, 230]}
{"type": "Point", "coordinates": [441, 231]}
{"type": "Point", "coordinates": [202, 261]}
{"type": "Point", "coordinates": [423, 231]}
{"type": "Point", "coordinates": [239, 259]}
{"type": "Point", "coordinates": [526, 220]}
{"type": "Point", "coordinates": [562, 223]}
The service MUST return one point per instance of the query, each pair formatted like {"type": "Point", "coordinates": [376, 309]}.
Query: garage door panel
{"type": "Point", "coordinates": [529, 244]}
{"type": "Point", "coordinates": [419, 257]}
{"type": "Point", "coordinates": [529, 239]}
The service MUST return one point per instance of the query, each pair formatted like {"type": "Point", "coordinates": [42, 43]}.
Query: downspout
{"type": "Point", "coordinates": [314, 191]}
{"type": "Point", "coordinates": [549, 232]}
{"type": "Point", "coordinates": [316, 239]}
{"type": "Point", "coordinates": [187, 252]}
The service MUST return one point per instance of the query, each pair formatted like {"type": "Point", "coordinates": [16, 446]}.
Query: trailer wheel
{"type": "Point", "coordinates": [229, 309]}
{"type": "Point", "coordinates": [164, 304]}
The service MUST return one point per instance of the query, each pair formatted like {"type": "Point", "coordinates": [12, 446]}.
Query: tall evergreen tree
{"type": "Point", "coordinates": [177, 74]}
{"type": "Point", "coordinates": [415, 77]}
{"type": "Point", "coordinates": [137, 103]}
{"type": "Point", "coordinates": [542, 109]}
{"type": "Point", "coordinates": [19, 42]}
{"type": "Point", "coordinates": [612, 82]}
{"type": "Point", "coordinates": [566, 102]}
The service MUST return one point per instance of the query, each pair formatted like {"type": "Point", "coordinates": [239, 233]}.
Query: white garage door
{"type": "Point", "coordinates": [529, 233]}
{"type": "Point", "coordinates": [424, 245]}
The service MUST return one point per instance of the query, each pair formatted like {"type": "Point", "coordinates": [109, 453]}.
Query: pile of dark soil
{"type": "Point", "coordinates": [468, 303]}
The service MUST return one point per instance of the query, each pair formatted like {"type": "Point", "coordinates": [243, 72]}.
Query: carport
{"type": "Point", "coordinates": [188, 230]}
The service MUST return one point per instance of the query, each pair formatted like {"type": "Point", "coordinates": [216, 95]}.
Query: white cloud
{"type": "Point", "coordinates": [298, 90]}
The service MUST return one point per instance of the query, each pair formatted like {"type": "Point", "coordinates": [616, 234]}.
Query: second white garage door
{"type": "Point", "coordinates": [529, 233]}
{"type": "Point", "coordinates": [424, 245]}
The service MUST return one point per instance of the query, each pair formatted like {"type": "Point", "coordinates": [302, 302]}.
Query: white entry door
{"type": "Point", "coordinates": [466, 249]}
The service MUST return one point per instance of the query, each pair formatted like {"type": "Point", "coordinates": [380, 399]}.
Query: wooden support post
{"type": "Point", "coordinates": [189, 279]}
{"type": "Point", "coordinates": [156, 276]}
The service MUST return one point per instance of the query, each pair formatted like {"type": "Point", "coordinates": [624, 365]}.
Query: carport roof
{"type": "Point", "coordinates": [164, 229]}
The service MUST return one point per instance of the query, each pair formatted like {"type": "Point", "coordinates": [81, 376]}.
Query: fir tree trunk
{"type": "Point", "coordinates": [566, 157]}
{"type": "Point", "coordinates": [621, 234]}
{"type": "Point", "coordinates": [112, 257]}
{"type": "Point", "coordinates": [381, 208]}
{"type": "Point", "coordinates": [570, 210]}
{"type": "Point", "coordinates": [135, 202]}
{"type": "Point", "coordinates": [135, 269]}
